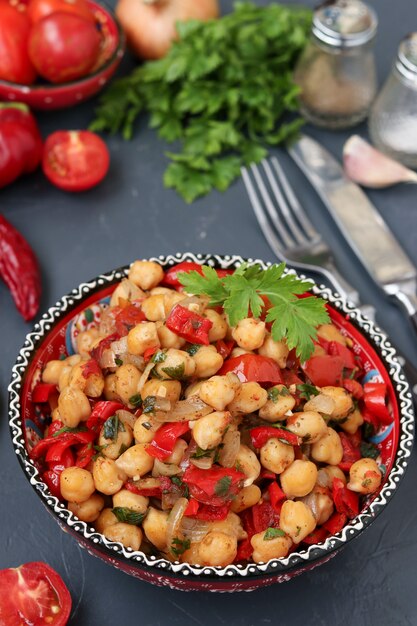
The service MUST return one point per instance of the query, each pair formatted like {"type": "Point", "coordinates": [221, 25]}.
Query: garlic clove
{"type": "Point", "coordinates": [371, 168]}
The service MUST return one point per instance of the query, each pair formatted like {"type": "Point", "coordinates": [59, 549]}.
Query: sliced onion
{"type": "Point", "coordinates": [126, 290]}
{"type": "Point", "coordinates": [205, 462]}
{"type": "Point", "coordinates": [145, 375]}
{"type": "Point", "coordinates": [108, 359]}
{"type": "Point", "coordinates": [137, 361]}
{"type": "Point", "coordinates": [107, 323]}
{"type": "Point", "coordinates": [184, 410]}
{"type": "Point", "coordinates": [321, 404]}
{"type": "Point", "coordinates": [311, 502]}
{"type": "Point", "coordinates": [126, 417]}
{"type": "Point", "coordinates": [164, 469]}
{"type": "Point", "coordinates": [230, 450]}
{"type": "Point", "coordinates": [194, 529]}
{"type": "Point", "coordinates": [196, 304]}
{"type": "Point", "coordinates": [323, 478]}
{"type": "Point", "coordinates": [119, 346]}
{"type": "Point", "coordinates": [174, 521]}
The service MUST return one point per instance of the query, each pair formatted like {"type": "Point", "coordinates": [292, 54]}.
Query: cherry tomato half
{"type": "Point", "coordinates": [75, 160]}
{"type": "Point", "coordinates": [33, 594]}
{"type": "Point", "coordinates": [15, 65]}
{"type": "Point", "coordinates": [38, 9]}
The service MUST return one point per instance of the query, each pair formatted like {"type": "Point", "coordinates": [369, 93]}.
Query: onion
{"type": "Point", "coordinates": [194, 529]}
{"type": "Point", "coordinates": [230, 450]}
{"type": "Point", "coordinates": [321, 404]}
{"type": "Point", "coordinates": [145, 375]}
{"type": "Point", "coordinates": [150, 25]}
{"type": "Point", "coordinates": [126, 417]}
{"type": "Point", "coordinates": [184, 410]}
{"type": "Point", "coordinates": [126, 290]}
{"type": "Point", "coordinates": [323, 478]}
{"type": "Point", "coordinates": [107, 359]}
{"type": "Point", "coordinates": [205, 462]}
{"type": "Point", "coordinates": [311, 502]}
{"type": "Point", "coordinates": [119, 346]}
{"type": "Point", "coordinates": [164, 469]}
{"type": "Point", "coordinates": [174, 521]}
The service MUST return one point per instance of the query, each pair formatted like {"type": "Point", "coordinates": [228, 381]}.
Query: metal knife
{"type": "Point", "coordinates": [361, 224]}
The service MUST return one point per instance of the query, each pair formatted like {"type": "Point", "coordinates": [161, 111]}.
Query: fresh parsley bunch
{"type": "Point", "coordinates": [222, 91]}
{"type": "Point", "coordinates": [293, 319]}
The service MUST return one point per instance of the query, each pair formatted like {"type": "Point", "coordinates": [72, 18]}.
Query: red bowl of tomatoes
{"type": "Point", "coordinates": [108, 49]}
{"type": "Point", "coordinates": [54, 336]}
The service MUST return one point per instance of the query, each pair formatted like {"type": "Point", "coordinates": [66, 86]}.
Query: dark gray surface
{"type": "Point", "coordinates": [129, 216]}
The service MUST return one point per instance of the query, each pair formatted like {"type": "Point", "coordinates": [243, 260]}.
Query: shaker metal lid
{"type": "Point", "coordinates": [406, 62]}
{"type": "Point", "coordinates": [344, 23]}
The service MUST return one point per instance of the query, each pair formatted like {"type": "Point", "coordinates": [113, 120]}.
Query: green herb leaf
{"type": "Point", "coordinates": [68, 429]}
{"type": "Point", "coordinates": [274, 393]}
{"type": "Point", "coordinates": [159, 357]}
{"type": "Point", "coordinates": [136, 400]}
{"type": "Point", "coordinates": [222, 486]}
{"type": "Point", "coordinates": [193, 348]}
{"type": "Point", "coordinates": [179, 546]}
{"type": "Point", "coordinates": [306, 391]}
{"type": "Point", "coordinates": [176, 373]}
{"type": "Point", "coordinates": [369, 450]}
{"type": "Point", "coordinates": [271, 533]}
{"type": "Point", "coordinates": [128, 516]}
{"type": "Point", "coordinates": [118, 361]}
{"type": "Point", "coordinates": [149, 404]}
{"type": "Point", "coordinates": [200, 453]}
{"type": "Point", "coordinates": [111, 427]}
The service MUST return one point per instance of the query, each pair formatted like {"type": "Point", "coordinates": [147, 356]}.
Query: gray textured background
{"type": "Point", "coordinates": [130, 215]}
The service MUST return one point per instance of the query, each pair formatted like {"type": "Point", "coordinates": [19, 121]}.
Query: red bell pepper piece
{"type": "Point", "coordinates": [129, 317]}
{"type": "Point", "coordinates": [264, 516]}
{"type": "Point", "coordinates": [345, 500]}
{"type": "Point", "coordinates": [244, 550]}
{"type": "Point", "coordinates": [374, 398]}
{"type": "Point", "coordinates": [224, 348]}
{"type": "Point", "coordinates": [67, 459]}
{"type": "Point", "coordinates": [171, 276]}
{"type": "Point", "coordinates": [335, 523]}
{"type": "Point", "coordinates": [149, 352]}
{"type": "Point", "coordinates": [317, 536]}
{"type": "Point", "coordinates": [337, 349]}
{"type": "Point", "coordinates": [84, 455]}
{"type": "Point", "coordinates": [261, 434]}
{"type": "Point", "coordinates": [351, 453]}
{"type": "Point", "coordinates": [97, 352]}
{"type": "Point", "coordinates": [148, 492]}
{"type": "Point", "coordinates": [52, 479]}
{"type": "Point", "coordinates": [42, 392]}
{"type": "Point", "coordinates": [267, 474]}
{"type": "Point", "coordinates": [353, 387]}
{"type": "Point", "coordinates": [64, 441]}
{"type": "Point", "coordinates": [192, 508]}
{"type": "Point", "coordinates": [291, 378]}
{"type": "Point", "coordinates": [103, 409]}
{"type": "Point", "coordinates": [214, 486]}
{"type": "Point", "coordinates": [90, 367]}
{"type": "Point", "coordinates": [189, 325]}
{"type": "Point", "coordinates": [212, 513]}
{"type": "Point", "coordinates": [253, 368]}
{"type": "Point", "coordinates": [370, 418]}
{"type": "Point", "coordinates": [167, 435]}
{"type": "Point", "coordinates": [276, 496]}
{"type": "Point", "coordinates": [325, 370]}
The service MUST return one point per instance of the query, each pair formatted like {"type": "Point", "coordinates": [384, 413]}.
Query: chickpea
{"type": "Point", "coordinates": [192, 555]}
{"type": "Point", "coordinates": [177, 360]}
{"type": "Point", "coordinates": [154, 308]}
{"type": "Point", "coordinates": [232, 525]}
{"type": "Point", "coordinates": [52, 372]}
{"type": "Point", "coordinates": [155, 528]}
{"type": "Point", "coordinates": [277, 350]}
{"type": "Point", "coordinates": [127, 381]}
{"type": "Point", "coordinates": [105, 519]}
{"type": "Point", "coordinates": [141, 337]}
{"type": "Point", "coordinates": [143, 434]}
{"type": "Point", "coordinates": [86, 340]}
{"type": "Point", "coordinates": [108, 477]}
{"type": "Point", "coordinates": [247, 462]}
{"type": "Point", "coordinates": [168, 339]}
{"type": "Point", "coordinates": [219, 328]}
{"type": "Point", "coordinates": [329, 332]}
{"type": "Point", "coordinates": [64, 376]}
{"type": "Point", "coordinates": [249, 333]}
{"type": "Point", "coordinates": [217, 549]}
{"type": "Point", "coordinates": [193, 389]}
{"type": "Point", "coordinates": [76, 484]}
{"type": "Point", "coordinates": [335, 472]}
{"type": "Point", "coordinates": [110, 387]}
{"type": "Point", "coordinates": [298, 479]}
{"type": "Point", "coordinates": [207, 362]}
{"type": "Point", "coordinates": [89, 510]}
{"type": "Point", "coordinates": [265, 549]}
{"type": "Point", "coordinates": [92, 385]}
{"type": "Point", "coordinates": [208, 431]}
{"type": "Point", "coordinates": [146, 274]}
{"type": "Point", "coordinates": [250, 397]}
{"type": "Point", "coordinates": [126, 499]}
{"type": "Point", "coordinates": [342, 400]}
{"type": "Point", "coordinates": [135, 462]}
{"type": "Point", "coordinates": [111, 448]}
{"type": "Point", "coordinates": [126, 290]}
{"type": "Point", "coordinates": [296, 520]}
{"type": "Point", "coordinates": [128, 535]}
{"type": "Point", "coordinates": [239, 352]}
{"type": "Point", "coordinates": [309, 425]}
{"type": "Point", "coordinates": [219, 391]}
{"type": "Point", "coordinates": [169, 389]}
{"type": "Point", "coordinates": [172, 298]}
{"type": "Point", "coordinates": [276, 456]}
{"type": "Point", "coordinates": [364, 476]}
{"type": "Point", "coordinates": [177, 454]}
{"type": "Point", "coordinates": [352, 422]}
{"type": "Point", "coordinates": [279, 402]}
{"type": "Point", "coordinates": [328, 449]}
{"type": "Point", "coordinates": [247, 497]}
{"type": "Point", "coordinates": [73, 406]}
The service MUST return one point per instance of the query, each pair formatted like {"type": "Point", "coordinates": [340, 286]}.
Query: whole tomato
{"type": "Point", "coordinates": [64, 47]}
{"type": "Point", "coordinates": [38, 9]}
{"type": "Point", "coordinates": [15, 65]}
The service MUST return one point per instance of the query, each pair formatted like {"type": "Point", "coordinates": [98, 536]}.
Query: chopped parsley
{"type": "Point", "coordinates": [193, 349]}
{"type": "Point", "coordinates": [128, 516]}
{"type": "Point", "coordinates": [272, 533]}
{"type": "Point", "coordinates": [369, 450]}
{"type": "Point", "coordinates": [184, 488]}
{"type": "Point", "coordinates": [176, 373]}
{"type": "Point", "coordinates": [136, 400]}
{"type": "Point", "coordinates": [111, 427]}
{"type": "Point", "coordinates": [200, 453]}
{"type": "Point", "coordinates": [179, 546]}
{"type": "Point", "coordinates": [118, 361]}
{"type": "Point", "coordinates": [159, 357]}
{"type": "Point", "coordinates": [274, 393]}
{"type": "Point", "coordinates": [222, 486]}
{"type": "Point", "coordinates": [68, 429]}
{"type": "Point", "coordinates": [306, 391]}
{"type": "Point", "coordinates": [149, 404]}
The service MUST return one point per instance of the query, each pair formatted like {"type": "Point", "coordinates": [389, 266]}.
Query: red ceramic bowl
{"type": "Point", "coordinates": [54, 335]}
{"type": "Point", "coordinates": [47, 96]}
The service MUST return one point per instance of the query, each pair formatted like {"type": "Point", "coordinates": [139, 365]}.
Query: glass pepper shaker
{"type": "Point", "coordinates": [393, 118]}
{"type": "Point", "coordinates": [336, 72]}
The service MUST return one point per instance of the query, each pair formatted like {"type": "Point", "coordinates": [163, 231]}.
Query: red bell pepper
{"type": "Point", "coordinates": [64, 441]}
{"type": "Point", "coordinates": [276, 496]}
{"type": "Point", "coordinates": [325, 370]}
{"type": "Point", "coordinates": [337, 349]}
{"type": "Point", "coordinates": [263, 517]}
{"type": "Point", "coordinates": [149, 492]}
{"type": "Point", "coordinates": [91, 367]}
{"type": "Point", "coordinates": [212, 513]}
{"type": "Point", "coordinates": [335, 523]}
{"type": "Point", "coordinates": [353, 387]}
{"type": "Point", "coordinates": [192, 508]}
{"type": "Point", "coordinates": [345, 500]}
{"type": "Point", "coordinates": [167, 435]}
{"type": "Point", "coordinates": [317, 536]}
{"type": "Point", "coordinates": [103, 409]}
{"type": "Point", "coordinates": [370, 418]}
{"type": "Point", "coordinates": [189, 325]}
{"type": "Point", "coordinates": [171, 275]}
{"type": "Point", "coordinates": [267, 474]}
{"type": "Point", "coordinates": [55, 427]}
{"type": "Point", "coordinates": [84, 455]}
{"type": "Point", "coordinates": [42, 392]}
{"type": "Point", "coordinates": [244, 550]}
{"type": "Point", "coordinates": [67, 459]}
{"type": "Point", "coordinates": [351, 453]}
{"type": "Point", "coordinates": [253, 368]}
{"type": "Point", "coordinates": [261, 434]}
{"type": "Point", "coordinates": [149, 352]}
{"type": "Point", "coordinates": [52, 479]}
{"type": "Point", "coordinates": [224, 348]}
{"type": "Point", "coordinates": [97, 352]}
{"type": "Point", "coordinates": [374, 398]}
{"type": "Point", "coordinates": [129, 317]}
{"type": "Point", "coordinates": [215, 486]}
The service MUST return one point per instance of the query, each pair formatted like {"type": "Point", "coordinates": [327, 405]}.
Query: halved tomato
{"type": "Point", "coordinates": [75, 160]}
{"type": "Point", "coordinates": [33, 594]}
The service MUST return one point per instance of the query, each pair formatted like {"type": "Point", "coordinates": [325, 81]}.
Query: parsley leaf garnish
{"type": "Point", "coordinates": [159, 357]}
{"type": "Point", "coordinates": [271, 533]}
{"type": "Point", "coordinates": [369, 450]}
{"type": "Point", "coordinates": [111, 427]}
{"type": "Point", "coordinates": [179, 546]}
{"type": "Point", "coordinates": [128, 516]}
{"type": "Point", "coordinates": [293, 319]}
{"type": "Point", "coordinates": [175, 373]}
{"type": "Point", "coordinates": [274, 393]}
{"type": "Point", "coordinates": [149, 404]}
{"type": "Point", "coordinates": [136, 400]}
{"type": "Point", "coordinates": [306, 391]}
{"type": "Point", "coordinates": [222, 486]}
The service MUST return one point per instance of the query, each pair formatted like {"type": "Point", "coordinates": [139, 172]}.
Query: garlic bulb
{"type": "Point", "coordinates": [367, 166]}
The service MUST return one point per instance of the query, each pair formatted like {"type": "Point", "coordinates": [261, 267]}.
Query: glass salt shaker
{"type": "Point", "coordinates": [393, 118]}
{"type": "Point", "coordinates": [336, 72]}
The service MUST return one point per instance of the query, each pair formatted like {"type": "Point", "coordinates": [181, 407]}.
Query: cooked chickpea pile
{"type": "Point", "coordinates": [169, 504]}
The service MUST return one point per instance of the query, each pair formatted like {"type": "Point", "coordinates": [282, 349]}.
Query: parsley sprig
{"type": "Point", "coordinates": [293, 319]}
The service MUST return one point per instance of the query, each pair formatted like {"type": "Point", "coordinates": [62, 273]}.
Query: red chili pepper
{"type": "Point", "coordinates": [276, 496]}
{"type": "Point", "coordinates": [337, 349]}
{"type": "Point", "coordinates": [253, 368]}
{"type": "Point", "coordinates": [90, 367]}
{"type": "Point", "coordinates": [171, 276]}
{"type": "Point", "coordinates": [167, 435]}
{"type": "Point", "coordinates": [353, 387]}
{"type": "Point", "coordinates": [351, 453]}
{"type": "Point", "coordinates": [317, 536]}
{"type": "Point", "coordinates": [189, 325]}
{"type": "Point", "coordinates": [149, 352]}
{"type": "Point", "coordinates": [192, 508]}
{"type": "Point", "coordinates": [97, 352]}
{"type": "Point", "coordinates": [212, 513]}
{"type": "Point", "coordinates": [335, 523]}
{"type": "Point", "coordinates": [261, 434]}
{"type": "Point", "coordinates": [19, 268]}
{"type": "Point", "coordinates": [345, 500]}
{"type": "Point", "coordinates": [224, 348]}
{"type": "Point", "coordinates": [214, 486]}
{"type": "Point", "coordinates": [20, 142]}
{"type": "Point", "coordinates": [128, 318]}
{"type": "Point", "coordinates": [325, 370]}
{"type": "Point", "coordinates": [102, 410]}
{"type": "Point", "coordinates": [42, 392]}
{"type": "Point", "coordinates": [374, 398]}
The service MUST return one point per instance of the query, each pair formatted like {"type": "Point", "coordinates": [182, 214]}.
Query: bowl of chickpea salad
{"type": "Point", "coordinates": [208, 423]}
